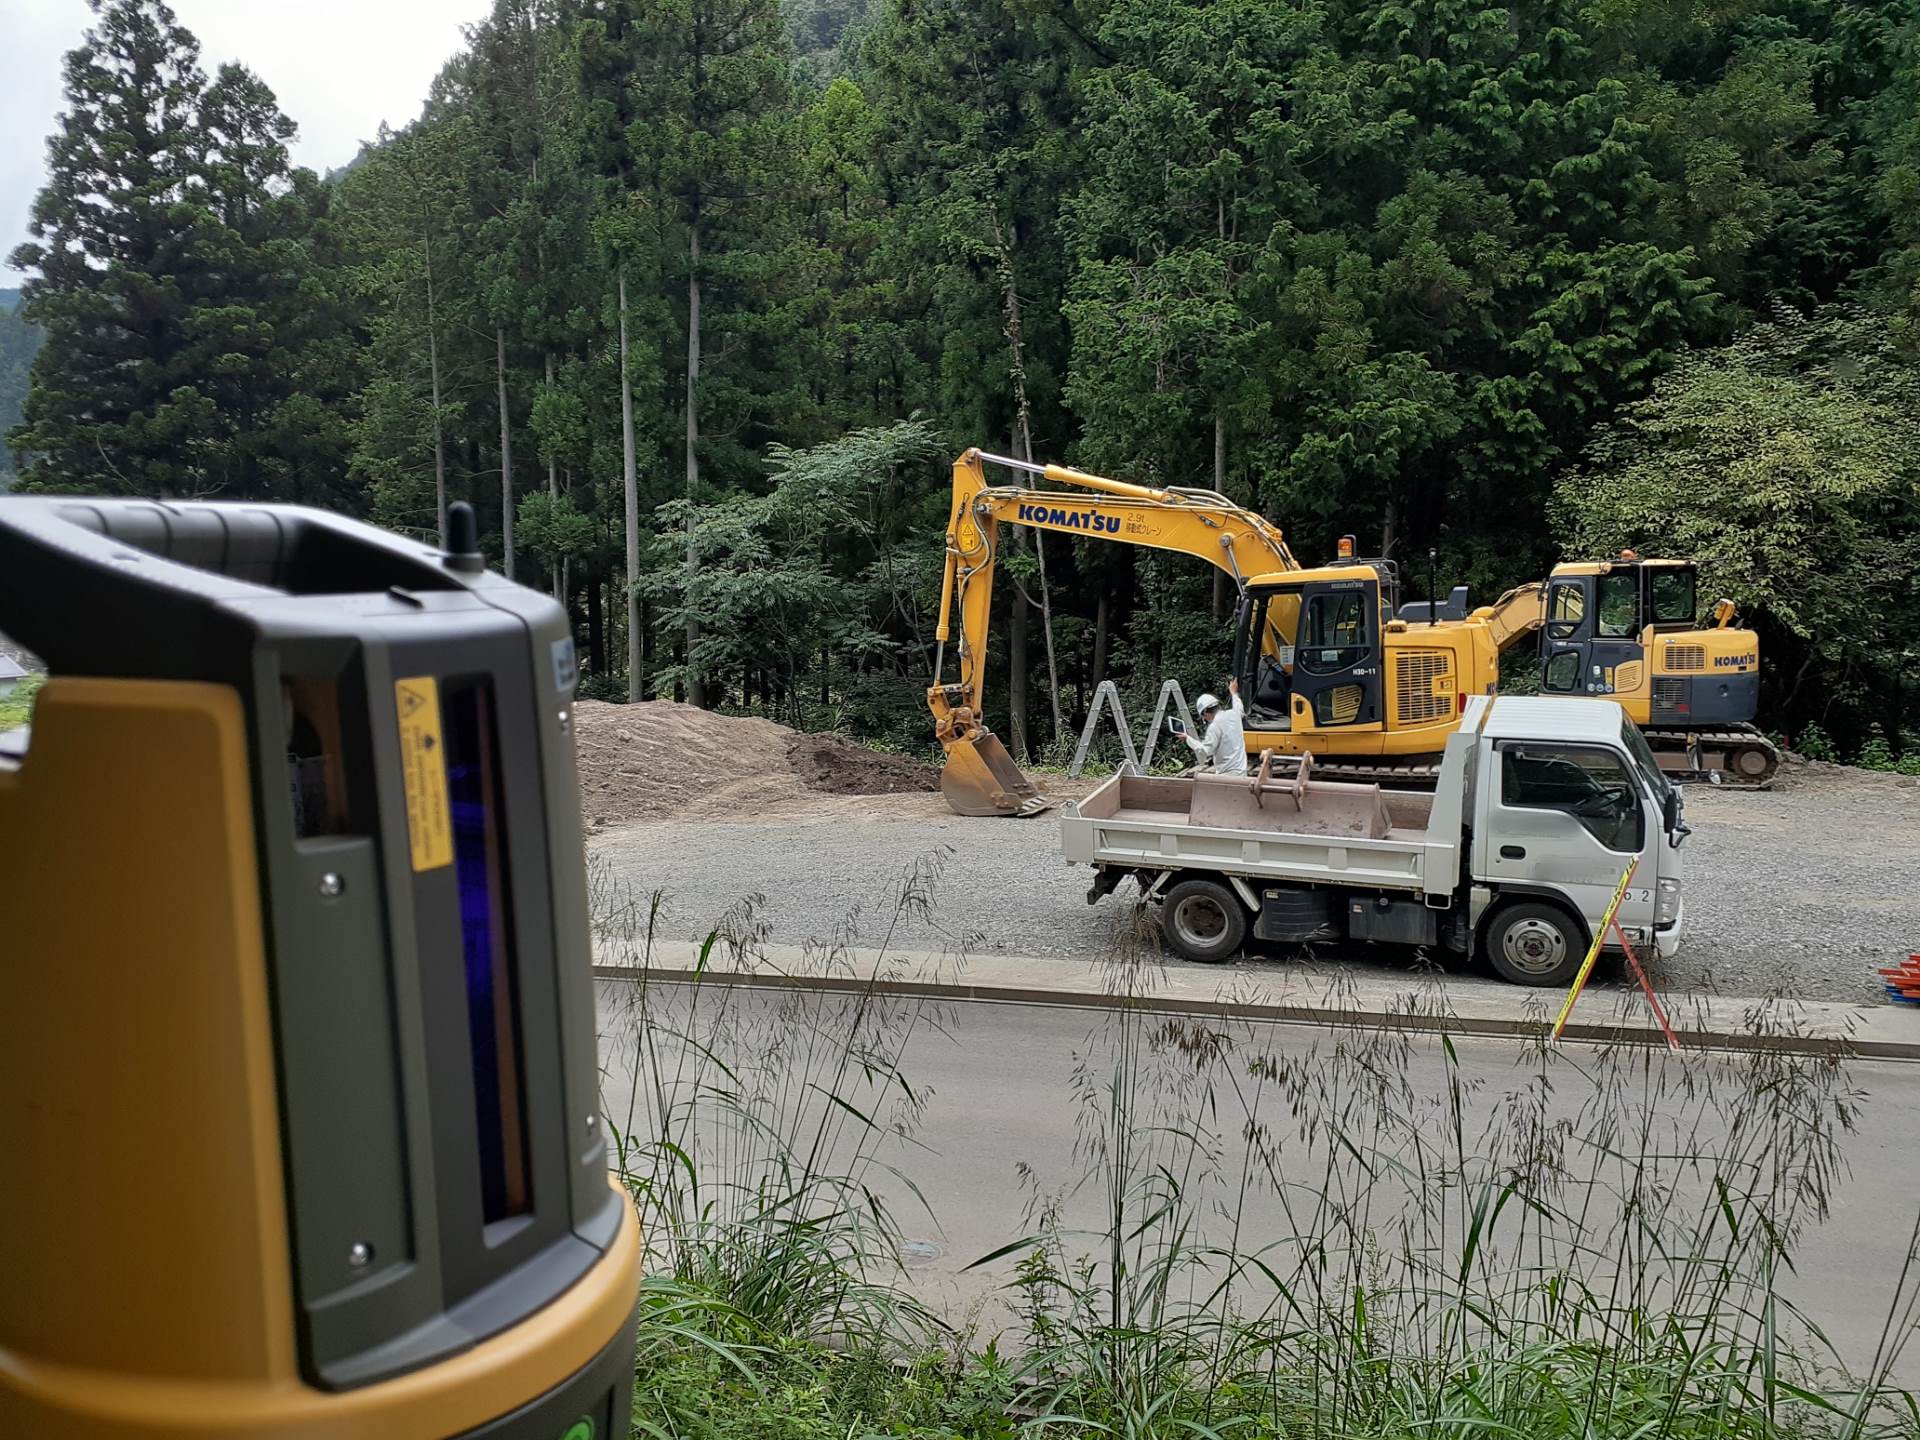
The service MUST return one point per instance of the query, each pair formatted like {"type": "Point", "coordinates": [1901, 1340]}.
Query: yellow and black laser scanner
{"type": "Point", "coordinates": [298, 1103]}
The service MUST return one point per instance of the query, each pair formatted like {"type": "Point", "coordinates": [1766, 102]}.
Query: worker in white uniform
{"type": "Point", "coordinates": [1224, 747]}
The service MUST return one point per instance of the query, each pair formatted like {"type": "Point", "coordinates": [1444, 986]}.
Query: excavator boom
{"type": "Point", "coordinates": [980, 777]}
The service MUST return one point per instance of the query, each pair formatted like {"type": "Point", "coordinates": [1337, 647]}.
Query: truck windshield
{"type": "Point", "coordinates": [1642, 756]}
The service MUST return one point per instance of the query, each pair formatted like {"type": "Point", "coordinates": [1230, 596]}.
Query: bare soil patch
{"type": "Point", "coordinates": [660, 760]}
{"type": "Point", "coordinates": [835, 765]}
{"type": "Point", "coordinates": [1798, 772]}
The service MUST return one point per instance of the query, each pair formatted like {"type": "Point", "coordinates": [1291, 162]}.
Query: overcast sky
{"type": "Point", "coordinates": [340, 67]}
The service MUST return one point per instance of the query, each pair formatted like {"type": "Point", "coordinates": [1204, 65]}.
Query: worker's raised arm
{"type": "Point", "coordinates": [1204, 748]}
{"type": "Point", "coordinates": [1233, 689]}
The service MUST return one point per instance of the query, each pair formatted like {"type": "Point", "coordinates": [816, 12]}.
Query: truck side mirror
{"type": "Point", "coordinates": [1671, 817]}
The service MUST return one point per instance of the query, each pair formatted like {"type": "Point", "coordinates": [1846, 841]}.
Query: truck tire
{"type": "Point", "coordinates": [1203, 920]}
{"type": "Point", "coordinates": [1534, 943]}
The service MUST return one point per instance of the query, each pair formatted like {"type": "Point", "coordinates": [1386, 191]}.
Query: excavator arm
{"type": "Point", "coordinates": [1515, 615]}
{"type": "Point", "coordinates": [980, 778]}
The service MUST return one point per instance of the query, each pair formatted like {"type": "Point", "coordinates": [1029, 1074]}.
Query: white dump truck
{"type": "Point", "coordinates": [1541, 806]}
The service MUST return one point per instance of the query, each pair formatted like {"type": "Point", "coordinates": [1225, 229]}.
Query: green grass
{"type": "Point", "coordinates": [1590, 1246]}
{"type": "Point", "coordinates": [16, 706]}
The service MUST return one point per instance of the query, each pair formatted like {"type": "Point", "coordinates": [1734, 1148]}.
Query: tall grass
{"type": "Point", "coordinates": [751, 1134]}
{"type": "Point", "coordinates": [1349, 1232]}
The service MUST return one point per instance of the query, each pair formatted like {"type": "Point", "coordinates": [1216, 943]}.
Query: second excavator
{"type": "Point", "coordinates": [1329, 659]}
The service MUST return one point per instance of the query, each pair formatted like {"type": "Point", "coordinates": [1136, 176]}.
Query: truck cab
{"type": "Point", "coordinates": [1565, 797]}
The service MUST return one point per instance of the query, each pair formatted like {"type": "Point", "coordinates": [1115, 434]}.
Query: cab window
{"type": "Point", "coordinates": [1594, 786]}
{"type": "Point", "coordinates": [1282, 621]}
{"type": "Point", "coordinates": [1619, 604]}
{"type": "Point", "coordinates": [1333, 632]}
{"type": "Point", "coordinates": [1563, 672]}
{"type": "Point", "coordinates": [1673, 595]}
{"type": "Point", "coordinates": [1566, 608]}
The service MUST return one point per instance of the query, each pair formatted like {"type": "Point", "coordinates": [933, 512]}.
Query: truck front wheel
{"type": "Point", "coordinates": [1531, 943]}
{"type": "Point", "coordinates": [1203, 920]}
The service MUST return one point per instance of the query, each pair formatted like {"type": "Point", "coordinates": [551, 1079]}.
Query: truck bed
{"type": "Point", "coordinates": [1339, 834]}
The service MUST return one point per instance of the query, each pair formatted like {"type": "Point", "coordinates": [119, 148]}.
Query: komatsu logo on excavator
{"type": "Point", "coordinates": [1729, 662]}
{"type": "Point", "coordinates": [1069, 519]}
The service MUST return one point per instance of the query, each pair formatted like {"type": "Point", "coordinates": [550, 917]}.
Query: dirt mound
{"type": "Point", "coordinates": [660, 759]}
{"type": "Point", "coordinates": [835, 765]}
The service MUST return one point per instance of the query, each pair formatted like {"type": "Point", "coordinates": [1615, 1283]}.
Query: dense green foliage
{"type": "Point", "coordinates": [181, 280]}
{"type": "Point", "coordinates": [1380, 268]}
{"type": "Point", "coordinates": [19, 340]}
{"type": "Point", "coordinates": [1784, 462]}
{"type": "Point", "coordinates": [16, 706]}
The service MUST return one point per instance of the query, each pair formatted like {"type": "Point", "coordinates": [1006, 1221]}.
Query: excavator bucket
{"type": "Point", "coordinates": [980, 778]}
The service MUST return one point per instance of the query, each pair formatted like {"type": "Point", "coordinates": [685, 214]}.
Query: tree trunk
{"type": "Point", "coordinates": [433, 369]}
{"type": "Point", "coordinates": [553, 489]}
{"type": "Point", "coordinates": [596, 630]}
{"type": "Point", "coordinates": [506, 448]}
{"type": "Point", "coordinates": [1220, 484]}
{"type": "Point", "coordinates": [1101, 618]}
{"type": "Point", "coordinates": [696, 688]}
{"type": "Point", "coordinates": [630, 480]}
{"type": "Point", "coordinates": [826, 675]}
{"type": "Point", "coordinates": [1388, 526]}
{"type": "Point", "coordinates": [1023, 444]}
{"type": "Point", "coordinates": [1017, 677]}
{"type": "Point", "coordinates": [649, 651]}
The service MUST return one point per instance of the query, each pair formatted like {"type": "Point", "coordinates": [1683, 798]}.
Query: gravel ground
{"type": "Point", "coordinates": [1804, 889]}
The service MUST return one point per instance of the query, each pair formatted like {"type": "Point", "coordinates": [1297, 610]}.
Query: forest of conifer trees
{"type": "Point", "coordinates": [694, 299]}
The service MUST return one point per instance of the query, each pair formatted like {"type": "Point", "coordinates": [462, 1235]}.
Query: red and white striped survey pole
{"type": "Point", "coordinates": [1610, 922]}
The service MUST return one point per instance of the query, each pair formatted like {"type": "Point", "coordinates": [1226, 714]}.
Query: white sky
{"type": "Point", "coordinates": [339, 67]}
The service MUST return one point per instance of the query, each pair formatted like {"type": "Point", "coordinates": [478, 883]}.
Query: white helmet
{"type": "Point", "coordinates": [1207, 701]}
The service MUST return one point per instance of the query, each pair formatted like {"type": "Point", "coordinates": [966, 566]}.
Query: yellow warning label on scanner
{"type": "Point", "coordinates": [423, 761]}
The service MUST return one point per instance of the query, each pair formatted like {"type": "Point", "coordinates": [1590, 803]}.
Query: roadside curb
{"type": "Point", "coordinates": [1839, 1031]}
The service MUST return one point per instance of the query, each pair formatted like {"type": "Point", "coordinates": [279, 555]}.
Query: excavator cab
{"type": "Point", "coordinates": [1628, 629]}
{"type": "Point", "coordinates": [1307, 650]}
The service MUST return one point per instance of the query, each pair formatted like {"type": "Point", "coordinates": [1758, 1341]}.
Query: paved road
{"type": "Point", "coordinates": [1803, 891]}
{"type": "Point", "coordinates": [1012, 1093]}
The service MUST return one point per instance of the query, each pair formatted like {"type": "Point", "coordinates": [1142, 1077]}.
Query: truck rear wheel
{"type": "Point", "coordinates": [1531, 943]}
{"type": "Point", "coordinates": [1203, 920]}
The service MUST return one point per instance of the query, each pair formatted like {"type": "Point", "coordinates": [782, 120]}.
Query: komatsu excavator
{"type": "Point", "coordinates": [1328, 659]}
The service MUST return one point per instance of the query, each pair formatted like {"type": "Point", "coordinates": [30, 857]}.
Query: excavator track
{"type": "Point", "coordinates": [1740, 755]}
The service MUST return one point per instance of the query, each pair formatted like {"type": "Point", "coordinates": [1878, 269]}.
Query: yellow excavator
{"type": "Point", "coordinates": [1329, 660]}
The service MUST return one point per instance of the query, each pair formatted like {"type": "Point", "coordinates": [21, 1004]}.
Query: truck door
{"type": "Point", "coordinates": [1336, 656]}
{"type": "Point", "coordinates": [1569, 819]}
